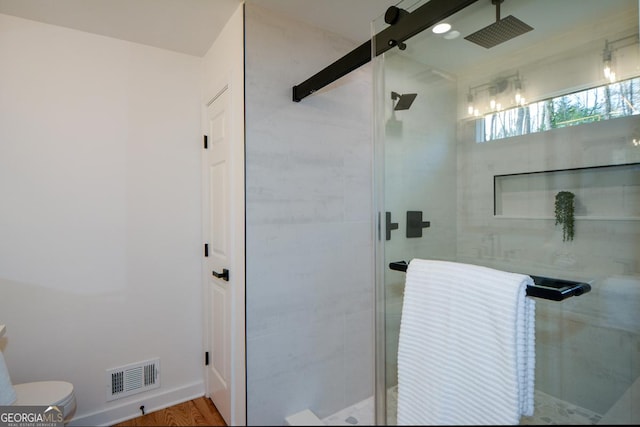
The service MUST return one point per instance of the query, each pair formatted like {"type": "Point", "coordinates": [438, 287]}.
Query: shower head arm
{"type": "Point", "coordinates": [497, 4]}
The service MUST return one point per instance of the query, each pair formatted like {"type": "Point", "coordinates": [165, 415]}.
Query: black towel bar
{"type": "Point", "coordinates": [545, 287]}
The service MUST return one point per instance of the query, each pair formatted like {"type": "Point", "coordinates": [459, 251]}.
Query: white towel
{"type": "Point", "coordinates": [466, 348]}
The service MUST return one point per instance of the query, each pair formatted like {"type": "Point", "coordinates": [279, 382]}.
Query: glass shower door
{"type": "Point", "coordinates": [475, 146]}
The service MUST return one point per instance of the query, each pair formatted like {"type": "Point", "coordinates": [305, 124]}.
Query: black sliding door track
{"type": "Point", "coordinates": [406, 26]}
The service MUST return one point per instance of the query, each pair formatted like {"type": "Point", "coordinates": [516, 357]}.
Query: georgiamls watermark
{"type": "Point", "coordinates": [31, 416]}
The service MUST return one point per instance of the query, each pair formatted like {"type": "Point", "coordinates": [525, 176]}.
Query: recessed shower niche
{"type": "Point", "coordinates": [610, 192]}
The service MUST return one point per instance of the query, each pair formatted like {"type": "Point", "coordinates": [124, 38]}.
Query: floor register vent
{"type": "Point", "coordinates": [131, 379]}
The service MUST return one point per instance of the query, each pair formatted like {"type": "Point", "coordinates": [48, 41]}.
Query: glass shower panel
{"type": "Point", "coordinates": [474, 146]}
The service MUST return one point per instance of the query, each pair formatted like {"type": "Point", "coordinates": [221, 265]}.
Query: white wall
{"type": "Point", "coordinates": [309, 231]}
{"type": "Point", "coordinates": [100, 234]}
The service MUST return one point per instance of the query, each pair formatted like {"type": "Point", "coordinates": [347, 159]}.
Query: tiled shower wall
{"type": "Point", "coordinates": [588, 347]}
{"type": "Point", "coordinates": [309, 230]}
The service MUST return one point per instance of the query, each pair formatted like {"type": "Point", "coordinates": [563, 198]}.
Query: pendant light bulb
{"type": "Point", "coordinates": [606, 61]}
{"type": "Point", "coordinates": [607, 69]}
{"type": "Point", "coordinates": [518, 88]}
{"type": "Point", "coordinates": [470, 102]}
{"type": "Point", "coordinates": [493, 92]}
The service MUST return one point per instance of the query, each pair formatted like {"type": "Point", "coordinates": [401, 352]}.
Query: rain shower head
{"type": "Point", "coordinates": [500, 31]}
{"type": "Point", "coordinates": [404, 101]}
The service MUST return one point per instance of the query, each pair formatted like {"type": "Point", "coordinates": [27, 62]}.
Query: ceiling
{"type": "Point", "coordinates": [190, 26]}
{"type": "Point", "coordinates": [349, 18]}
{"type": "Point", "coordinates": [187, 26]}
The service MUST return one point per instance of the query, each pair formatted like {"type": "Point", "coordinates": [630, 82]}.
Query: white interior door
{"type": "Point", "coordinates": [219, 275]}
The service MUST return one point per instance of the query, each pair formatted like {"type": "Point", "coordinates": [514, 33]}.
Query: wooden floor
{"type": "Point", "coordinates": [196, 412]}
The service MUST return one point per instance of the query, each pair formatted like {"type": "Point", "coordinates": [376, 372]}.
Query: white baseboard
{"type": "Point", "coordinates": [131, 409]}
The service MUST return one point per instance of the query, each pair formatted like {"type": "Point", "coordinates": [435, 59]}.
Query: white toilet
{"type": "Point", "coordinates": [49, 393]}
{"type": "Point", "coordinates": [41, 393]}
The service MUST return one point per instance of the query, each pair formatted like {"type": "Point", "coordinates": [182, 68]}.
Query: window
{"type": "Point", "coordinates": [619, 99]}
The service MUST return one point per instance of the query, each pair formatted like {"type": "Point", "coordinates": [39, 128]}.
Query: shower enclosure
{"type": "Point", "coordinates": [477, 140]}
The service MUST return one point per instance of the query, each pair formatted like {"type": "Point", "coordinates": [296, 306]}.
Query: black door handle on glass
{"type": "Point", "coordinates": [389, 225]}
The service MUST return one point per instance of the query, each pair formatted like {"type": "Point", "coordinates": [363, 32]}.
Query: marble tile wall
{"type": "Point", "coordinates": [588, 347]}
{"type": "Point", "coordinates": [309, 225]}
{"type": "Point", "coordinates": [535, 244]}
{"type": "Point", "coordinates": [309, 240]}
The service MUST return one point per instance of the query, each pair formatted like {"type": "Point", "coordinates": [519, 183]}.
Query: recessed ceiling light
{"type": "Point", "coordinates": [441, 28]}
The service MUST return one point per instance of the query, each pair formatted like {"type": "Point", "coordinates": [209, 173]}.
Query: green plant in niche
{"type": "Point", "coordinates": [564, 213]}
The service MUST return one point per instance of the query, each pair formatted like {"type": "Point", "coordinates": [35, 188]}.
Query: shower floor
{"type": "Point", "coordinates": [548, 411]}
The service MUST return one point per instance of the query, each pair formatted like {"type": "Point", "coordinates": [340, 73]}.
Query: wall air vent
{"type": "Point", "coordinates": [133, 378]}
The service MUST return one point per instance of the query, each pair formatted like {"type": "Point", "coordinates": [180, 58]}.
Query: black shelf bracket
{"type": "Point", "coordinates": [404, 25]}
{"type": "Point", "coordinates": [544, 287]}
